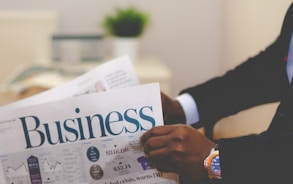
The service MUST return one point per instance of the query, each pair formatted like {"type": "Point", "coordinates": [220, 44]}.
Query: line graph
{"type": "Point", "coordinates": [21, 170]}
{"type": "Point", "coordinates": [57, 166]}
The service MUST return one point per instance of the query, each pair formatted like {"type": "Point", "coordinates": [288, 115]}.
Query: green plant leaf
{"type": "Point", "coordinates": [128, 22]}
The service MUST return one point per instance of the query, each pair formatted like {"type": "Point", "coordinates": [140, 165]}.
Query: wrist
{"type": "Point", "coordinates": [179, 113]}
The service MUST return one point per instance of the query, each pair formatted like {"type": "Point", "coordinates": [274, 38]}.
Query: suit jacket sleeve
{"type": "Point", "coordinates": [261, 79]}
{"type": "Point", "coordinates": [263, 158]}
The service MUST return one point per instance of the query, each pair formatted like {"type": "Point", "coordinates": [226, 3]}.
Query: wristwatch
{"type": "Point", "coordinates": [212, 164]}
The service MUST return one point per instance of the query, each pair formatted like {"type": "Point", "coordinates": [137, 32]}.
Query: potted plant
{"type": "Point", "coordinates": [126, 26]}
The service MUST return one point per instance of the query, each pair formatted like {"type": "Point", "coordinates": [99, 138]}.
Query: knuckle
{"type": "Point", "coordinates": [179, 138]}
{"type": "Point", "coordinates": [153, 132]}
{"type": "Point", "coordinates": [149, 145]}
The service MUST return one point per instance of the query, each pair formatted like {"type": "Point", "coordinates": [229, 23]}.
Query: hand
{"type": "Point", "coordinates": [177, 148]}
{"type": "Point", "coordinates": [172, 111]}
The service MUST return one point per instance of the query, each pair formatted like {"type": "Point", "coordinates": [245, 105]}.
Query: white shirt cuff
{"type": "Point", "coordinates": [189, 107]}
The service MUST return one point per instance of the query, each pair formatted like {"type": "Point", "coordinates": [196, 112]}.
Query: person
{"type": "Point", "coordinates": [257, 158]}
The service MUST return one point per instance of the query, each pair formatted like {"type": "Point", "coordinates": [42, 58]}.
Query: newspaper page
{"type": "Point", "coordinates": [115, 74]}
{"type": "Point", "coordinates": [87, 139]}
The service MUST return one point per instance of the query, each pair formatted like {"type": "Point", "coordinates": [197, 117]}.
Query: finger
{"type": "Point", "coordinates": [157, 155]}
{"type": "Point", "coordinates": [154, 143]}
{"type": "Point", "coordinates": [161, 160]}
{"type": "Point", "coordinates": [166, 166]}
{"type": "Point", "coordinates": [156, 131]}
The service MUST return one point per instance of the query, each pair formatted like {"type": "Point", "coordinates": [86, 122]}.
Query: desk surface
{"type": "Point", "coordinates": [148, 70]}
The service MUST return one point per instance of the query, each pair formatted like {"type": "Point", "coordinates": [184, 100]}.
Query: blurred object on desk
{"type": "Point", "coordinates": [25, 39]}
{"type": "Point", "coordinates": [71, 49]}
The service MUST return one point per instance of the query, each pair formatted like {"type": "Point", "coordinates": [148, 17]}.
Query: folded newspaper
{"type": "Point", "coordinates": [73, 135]}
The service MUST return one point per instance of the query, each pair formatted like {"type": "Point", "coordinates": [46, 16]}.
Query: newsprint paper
{"type": "Point", "coordinates": [82, 137]}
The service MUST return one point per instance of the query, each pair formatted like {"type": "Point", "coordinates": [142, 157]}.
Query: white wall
{"type": "Point", "coordinates": [249, 26]}
{"type": "Point", "coordinates": [184, 34]}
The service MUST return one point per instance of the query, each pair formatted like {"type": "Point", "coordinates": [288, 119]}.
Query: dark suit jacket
{"type": "Point", "coordinates": [264, 158]}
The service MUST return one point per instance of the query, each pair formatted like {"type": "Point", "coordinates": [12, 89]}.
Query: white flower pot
{"type": "Point", "coordinates": [126, 46]}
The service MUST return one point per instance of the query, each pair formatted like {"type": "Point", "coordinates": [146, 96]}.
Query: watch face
{"type": "Point", "coordinates": [215, 165]}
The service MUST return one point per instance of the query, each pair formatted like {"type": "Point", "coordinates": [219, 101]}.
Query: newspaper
{"type": "Point", "coordinates": [79, 137]}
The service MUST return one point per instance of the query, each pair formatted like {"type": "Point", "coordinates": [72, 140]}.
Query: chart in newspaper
{"type": "Point", "coordinates": [93, 138]}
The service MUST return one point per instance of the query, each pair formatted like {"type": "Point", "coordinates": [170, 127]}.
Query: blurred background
{"type": "Point", "coordinates": [194, 40]}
